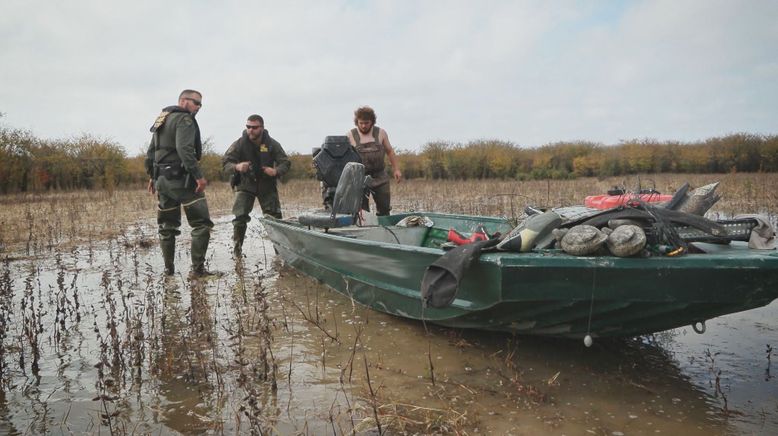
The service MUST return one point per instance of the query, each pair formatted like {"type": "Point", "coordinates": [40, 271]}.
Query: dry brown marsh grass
{"type": "Point", "coordinates": [741, 193]}
{"type": "Point", "coordinates": [41, 221]}
{"type": "Point", "coordinates": [37, 222]}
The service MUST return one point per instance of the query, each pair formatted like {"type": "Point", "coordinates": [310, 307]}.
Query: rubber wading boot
{"type": "Point", "coordinates": [200, 271]}
{"type": "Point", "coordinates": [168, 254]}
{"type": "Point", "coordinates": [238, 235]}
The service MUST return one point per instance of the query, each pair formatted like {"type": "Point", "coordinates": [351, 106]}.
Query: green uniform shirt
{"type": "Point", "coordinates": [268, 153]}
{"type": "Point", "coordinates": [175, 142]}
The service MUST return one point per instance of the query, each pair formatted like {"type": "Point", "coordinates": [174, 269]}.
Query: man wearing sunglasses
{"type": "Point", "coordinates": [255, 162]}
{"type": "Point", "coordinates": [172, 162]}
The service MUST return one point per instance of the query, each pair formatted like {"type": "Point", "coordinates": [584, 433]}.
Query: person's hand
{"type": "Point", "coordinates": [270, 171]}
{"type": "Point", "coordinates": [242, 167]}
{"type": "Point", "coordinates": [398, 176]}
{"type": "Point", "coordinates": [200, 185]}
{"type": "Point", "coordinates": [150, 187]}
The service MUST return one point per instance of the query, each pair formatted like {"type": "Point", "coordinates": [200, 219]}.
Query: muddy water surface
{"type": "Point", "coordinates": [94, 341]}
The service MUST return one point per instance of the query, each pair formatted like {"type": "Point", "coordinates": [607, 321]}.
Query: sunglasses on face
{"type": "Point", "coordinates": [196, 102]}
{"type": "Point", "coordinates": [253, 127]}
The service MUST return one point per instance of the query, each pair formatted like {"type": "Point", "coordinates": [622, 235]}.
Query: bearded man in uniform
{"type": "Point", "coordinates": [255, 162]}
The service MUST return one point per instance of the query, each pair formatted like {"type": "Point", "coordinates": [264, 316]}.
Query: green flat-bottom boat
{"type": "Point", "coordinates": [544, 292]}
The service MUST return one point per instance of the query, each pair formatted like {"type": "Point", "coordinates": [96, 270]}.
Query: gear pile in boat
{"type": "Point", "coordinates": [635, 228]}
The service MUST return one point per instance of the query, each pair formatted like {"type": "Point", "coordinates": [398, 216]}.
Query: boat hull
{"type": "Point", "coordinates": [540, 293]}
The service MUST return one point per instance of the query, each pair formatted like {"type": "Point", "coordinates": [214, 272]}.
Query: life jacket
{"type": "Point", "coordinates": [260, 155]}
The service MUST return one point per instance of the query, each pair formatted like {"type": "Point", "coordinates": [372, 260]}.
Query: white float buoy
{"type": "Point", "coordinates": [588, 341]}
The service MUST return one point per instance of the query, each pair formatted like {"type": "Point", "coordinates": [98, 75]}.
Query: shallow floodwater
{"type": "Point", "coordinates": [94, 341]}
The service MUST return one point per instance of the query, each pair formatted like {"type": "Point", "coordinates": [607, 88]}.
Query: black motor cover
{"type": "Point", "coordinates": [330, 159]}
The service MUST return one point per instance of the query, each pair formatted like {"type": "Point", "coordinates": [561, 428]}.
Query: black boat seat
{"type": "Point", "coordinates": [346, 203]}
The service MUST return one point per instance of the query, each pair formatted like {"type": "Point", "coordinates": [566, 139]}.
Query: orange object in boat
{"type": "Point", "coordinates": [459, 239]}
{"type": "Point", "coordinates": [610, 201]}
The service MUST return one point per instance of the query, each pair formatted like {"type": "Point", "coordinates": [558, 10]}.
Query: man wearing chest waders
{"type": "Point", "coordinates": [172, 163]}
{"type": "Point", "coordinates": [373, 146]}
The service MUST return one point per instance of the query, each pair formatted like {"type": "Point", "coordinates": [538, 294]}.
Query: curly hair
{"type": "Point", "coordinates": [364, 113]}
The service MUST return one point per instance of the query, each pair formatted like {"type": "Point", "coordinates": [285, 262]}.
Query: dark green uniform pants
{"type": "Point", "coordinates": [172, 196]}
{"type": "Point", "coordinates": [244, 203]}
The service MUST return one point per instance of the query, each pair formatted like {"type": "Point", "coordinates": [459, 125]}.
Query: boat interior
{"type": "Point", "coordinates": [413, 236]}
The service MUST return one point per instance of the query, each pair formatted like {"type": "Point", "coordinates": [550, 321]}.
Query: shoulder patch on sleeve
{"type": "Point", "coordinates": [159, 121]}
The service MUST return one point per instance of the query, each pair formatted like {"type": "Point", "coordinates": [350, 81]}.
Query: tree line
{"type": "Point", "coordinates": [31, 164]}
{"type": "Point", "coordinates": [740, 152]}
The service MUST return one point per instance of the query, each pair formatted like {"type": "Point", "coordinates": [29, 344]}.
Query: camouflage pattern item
{"type": "Point", "coordinates": [700, 200]}
{"type": "Point", "coordinates": [626, 240]}
{"type": "Point", "coordinates": [583, 240]}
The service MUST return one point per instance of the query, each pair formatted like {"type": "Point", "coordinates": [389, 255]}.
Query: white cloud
{"type": "Point", "coordinates": [527, 72]}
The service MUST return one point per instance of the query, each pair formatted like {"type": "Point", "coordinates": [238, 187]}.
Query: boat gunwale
{"type": "Point", "coordinates": [736, 255]}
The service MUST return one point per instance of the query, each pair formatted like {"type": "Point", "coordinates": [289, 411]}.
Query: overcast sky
{"type": "Point", "coordinates": [528, 72]}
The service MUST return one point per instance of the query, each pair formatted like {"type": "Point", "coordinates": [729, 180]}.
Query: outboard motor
{"type": "Point", "coordinates": [329, 161]}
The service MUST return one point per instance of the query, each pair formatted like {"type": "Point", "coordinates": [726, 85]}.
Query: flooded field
{"type": "Point", "coordinates": [95, 340]}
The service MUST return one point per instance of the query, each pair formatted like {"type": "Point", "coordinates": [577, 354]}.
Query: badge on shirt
{"type": "Point", "coordinates": [263, 148]}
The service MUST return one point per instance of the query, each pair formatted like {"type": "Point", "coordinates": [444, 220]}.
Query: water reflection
{"type": "Point", "coordinates": [731, 362]}
{"type": "Point", "coordinates": [181, 362]}
{"type": "Point", "coordinates": [525, 384]}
